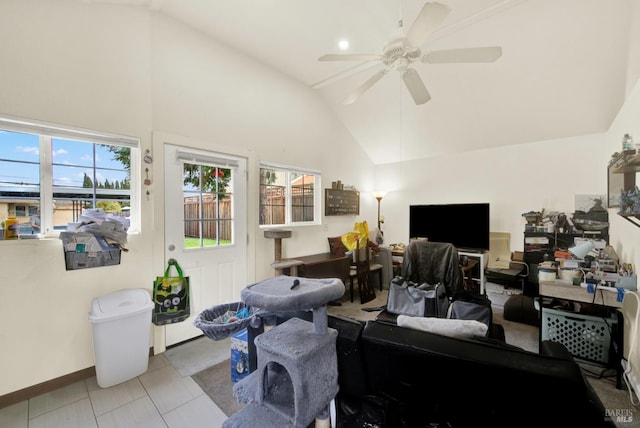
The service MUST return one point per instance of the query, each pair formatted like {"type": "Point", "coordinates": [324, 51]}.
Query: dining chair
{"type": "Point", "coordinates": [361, 272]}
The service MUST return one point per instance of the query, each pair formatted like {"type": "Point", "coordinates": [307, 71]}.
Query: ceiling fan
{"type": "Point", "coordinates": [401, 52]}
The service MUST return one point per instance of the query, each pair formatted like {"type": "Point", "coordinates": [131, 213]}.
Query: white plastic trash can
{"type": "Point", "coordinates": [121, 324]}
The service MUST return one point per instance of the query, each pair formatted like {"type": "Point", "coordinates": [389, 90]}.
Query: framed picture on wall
{"type": "Point", "coordinates": [588, 203]}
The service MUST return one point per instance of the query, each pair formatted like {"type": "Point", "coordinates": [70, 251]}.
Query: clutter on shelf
{"type": "Point", "coordinates": [630, 201]}
{"type": "Point", "coordinates": [596, 219]}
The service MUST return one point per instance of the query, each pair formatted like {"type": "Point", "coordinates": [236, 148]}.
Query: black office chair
{"type": "Point", "coordinates": [433, 263]}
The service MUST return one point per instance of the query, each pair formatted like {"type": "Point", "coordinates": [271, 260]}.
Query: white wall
{"type": "Point", "coordinates": [126, 70]}
{"type": "Point", "coordinates": [205, 90]}
{"type": "Point", "coordinates": [72, 64]}
{"type": "Point", "coordinates": [625, 236]}
{"type": "Point", "coordinates": [514, 180]}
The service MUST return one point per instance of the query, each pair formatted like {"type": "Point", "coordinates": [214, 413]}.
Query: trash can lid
{"type": "Point", "coordinates": [120, 304]}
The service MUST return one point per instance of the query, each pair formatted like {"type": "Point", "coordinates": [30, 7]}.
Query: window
{"type": "Point", "coordinates": [288, 195]}
{"type": "Point", "coordinates": [49, 174]}
{"type": "Point", "coordinates": [208, 199]}
{"type": "Point", "coordinates": [21, 210]}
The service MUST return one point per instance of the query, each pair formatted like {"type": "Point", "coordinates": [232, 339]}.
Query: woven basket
{"type": "Point", "coordinates": [220, 321]}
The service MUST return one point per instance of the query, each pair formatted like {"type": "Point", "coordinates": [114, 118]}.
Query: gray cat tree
{"type": "Point", "coordinates": [297, 373]}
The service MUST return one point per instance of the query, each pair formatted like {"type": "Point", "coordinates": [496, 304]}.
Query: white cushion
{"type": "Point", "coordinates": [444, 326]}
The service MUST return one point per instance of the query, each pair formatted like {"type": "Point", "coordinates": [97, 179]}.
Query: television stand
{"type": "Point", "coordinates": [482, 258]}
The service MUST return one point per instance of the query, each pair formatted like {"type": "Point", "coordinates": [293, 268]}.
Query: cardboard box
{"type": "Point", "coordinates": [517, 256]}
{"type": "Point", "coordinates": [239, 356]}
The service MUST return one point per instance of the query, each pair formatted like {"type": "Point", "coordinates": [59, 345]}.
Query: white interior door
{"type": "Point", "coordinates": [205, 228]}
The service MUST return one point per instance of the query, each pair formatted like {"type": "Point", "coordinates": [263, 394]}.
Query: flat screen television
{"type": "Point", "coordinates": [466, 226]}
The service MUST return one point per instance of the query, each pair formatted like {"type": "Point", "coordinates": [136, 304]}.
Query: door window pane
{"type": "Point", "coordinates": [208, 208]}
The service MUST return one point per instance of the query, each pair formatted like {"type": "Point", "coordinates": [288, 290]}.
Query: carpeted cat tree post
{"type": "Point", "coordinates": [279, 264]}
{"type": "Point", "coordinates": [297, 374]}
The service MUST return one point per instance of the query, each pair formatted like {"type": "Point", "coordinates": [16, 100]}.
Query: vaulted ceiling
{"type": "Point", "coordinates": [563, 70]}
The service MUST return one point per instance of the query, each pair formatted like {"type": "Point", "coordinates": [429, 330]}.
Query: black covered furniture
{"type": "Point", "coordinates": [392, 376]}
{"type": "Point", "coordinates": [427, 378]}
{"type": "Point", "coordinates": [521, 308]}
{"type": "Point", "coordinates": [433, 262]}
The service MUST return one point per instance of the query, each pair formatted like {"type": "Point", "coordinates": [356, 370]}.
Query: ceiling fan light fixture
{"type": "Point", "coordinates": [400, 52]}
{"type": "Point", "coordinates": [343, 44]}
{"type": "Point", "coordinates": [401, 64]}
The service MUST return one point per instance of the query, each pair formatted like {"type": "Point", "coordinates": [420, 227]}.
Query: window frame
{"type": "Point", "coordinates": [46, 132]}
{"type": "Point", "coordinates": [317, 194]}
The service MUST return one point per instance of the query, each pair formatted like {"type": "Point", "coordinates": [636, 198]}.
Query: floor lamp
{"type": "Point", "coordinates": [379, 195]}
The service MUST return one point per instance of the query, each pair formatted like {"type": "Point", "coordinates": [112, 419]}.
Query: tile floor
{"type": "Point", "coordinates": [160, 397]}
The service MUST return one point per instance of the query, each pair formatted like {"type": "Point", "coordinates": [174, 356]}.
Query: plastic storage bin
{"type": "Point", "coordinates": [585, 336]}
{"type": "Point", "coordinates": [121, 325]}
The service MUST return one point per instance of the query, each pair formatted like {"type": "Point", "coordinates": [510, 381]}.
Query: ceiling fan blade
{"type": "Point", "coordinates": [353, 69]}
{"type": "Point", "coordinates": [430, 17]}
{"type": "Point", "coordinates": [416, 87]}
{"type": "Point", "coordinates": [363, 88]}
{"type": "Point", "coordinates": [484, 54]}
{"type": "Point", "coordinates": [350, 57]}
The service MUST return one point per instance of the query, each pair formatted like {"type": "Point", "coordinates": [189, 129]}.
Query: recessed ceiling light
{"type": "Point", "coordinates": [343, 45]}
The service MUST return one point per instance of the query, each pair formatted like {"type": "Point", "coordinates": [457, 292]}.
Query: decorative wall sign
{"type": "Point", "coordinates": [341, 202]}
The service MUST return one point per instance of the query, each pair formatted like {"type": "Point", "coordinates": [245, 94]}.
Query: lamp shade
{"type": "Point", "coordinates": [582, 249]}
{"type": "Point", "coordinates": [378, 194]}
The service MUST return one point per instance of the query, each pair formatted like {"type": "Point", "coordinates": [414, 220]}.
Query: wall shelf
{"type": "Point", "coordinates": [631, 218]}
{"type": "Point", "coordinates": [629, 161]}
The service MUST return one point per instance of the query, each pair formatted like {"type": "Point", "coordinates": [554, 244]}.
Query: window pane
{"type": "Point", "coordinates": [208, 198]}
{"type": "Point", "coordinates": [272, 196]}
{"type": "Point", "coordinates": [19, 177]}
{"type": "Point", "coordinates": [225, 232]}
{"type": "Point", "coordinates": [302, 196]}
{"type": "Point", "coordinates": [287, 197]}
{"type": "Point", "coordinates": [88, 175]}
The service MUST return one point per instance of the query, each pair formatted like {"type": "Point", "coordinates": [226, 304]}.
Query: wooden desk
{"type": "Point", "coordinates": [578, 294]}
{"type": "Point", "coordinates": [324, 265]}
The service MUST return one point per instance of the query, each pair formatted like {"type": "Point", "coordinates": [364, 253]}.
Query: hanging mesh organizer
{"type": "Point", "coordinates": [222, 321]}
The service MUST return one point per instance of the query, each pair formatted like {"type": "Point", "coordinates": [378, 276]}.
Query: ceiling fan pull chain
{"type": "Point", "coordinates": [400, 21]}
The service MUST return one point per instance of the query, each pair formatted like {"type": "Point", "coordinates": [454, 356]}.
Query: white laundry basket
{"type": "Point", "coordinates": [121, 324]}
